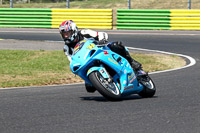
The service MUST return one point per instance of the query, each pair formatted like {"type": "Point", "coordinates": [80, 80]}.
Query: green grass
{"type": "Point", "coordinates": [73, 4]}
{"type": "Point", "coordinates": [33, 68]}
{"type": "Point", "coordinates": [157, 62]}
{"type": "Point", "coordinates": [112, 4]}
{"type": "Point", "coordinates": [26, 68]}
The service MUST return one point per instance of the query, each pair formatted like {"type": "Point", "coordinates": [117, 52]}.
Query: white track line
{"type": "Point", "coordinates": [192, 62]}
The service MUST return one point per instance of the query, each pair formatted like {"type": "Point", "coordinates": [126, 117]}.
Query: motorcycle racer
{"type": "Point", "coordinates": [71, 36]}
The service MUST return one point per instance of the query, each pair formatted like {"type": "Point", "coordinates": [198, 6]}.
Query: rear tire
{"type": "Point", "coordinates": [149, 87]}
{"type": "Point", "coordinates": [108, 89]}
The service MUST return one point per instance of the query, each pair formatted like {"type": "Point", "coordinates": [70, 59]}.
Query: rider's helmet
{"type": "Point", "coordinates": [68, 30]}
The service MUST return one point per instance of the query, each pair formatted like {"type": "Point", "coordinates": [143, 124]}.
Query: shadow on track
{"type": "Point", "coordinates": [102, 99]}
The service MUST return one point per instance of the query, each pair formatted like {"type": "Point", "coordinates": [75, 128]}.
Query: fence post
{"type": "Point", "coordinates": [189, 4]}
{"type": "Point", "coordinates": [1, 2]}
{"type": "Point", "coordinates": [129, 4]}
{"type": "Point", "coordinates": [67, 3]}
{"type": "Point", "coordinates": [11, 3]}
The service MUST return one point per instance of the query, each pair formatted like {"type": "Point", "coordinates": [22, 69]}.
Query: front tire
{"type": "Point", "coordinates": [105, 87]}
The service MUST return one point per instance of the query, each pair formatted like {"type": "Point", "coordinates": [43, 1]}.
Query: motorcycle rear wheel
{"type": "Point", "coordinates": [149, 87]}
{"type": "Point", "coordinates": [108, 89]}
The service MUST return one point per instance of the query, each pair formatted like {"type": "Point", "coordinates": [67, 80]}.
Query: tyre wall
{"type": "Point", "coordinates": [52, 18]}
{"type": "Point", "coordinates": [158, 19]}
{"type": "Point", "coordinates": [101, 18]}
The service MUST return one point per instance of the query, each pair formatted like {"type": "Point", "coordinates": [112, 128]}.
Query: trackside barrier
{"type": "Point", "coordinates": [25, 17]}
{"type": "Point", "coordinates": [84, 18]}
{"type": "Point", "coordinates": [185, 19]}
{"type": "Point", "coordinates": [143, 19]}
{"type": "Point", "coordinates": [52, 18]}
{"type": "Point", "coordinates": [158, 19]}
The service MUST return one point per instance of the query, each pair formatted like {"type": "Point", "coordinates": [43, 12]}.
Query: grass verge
{"type": "Point", "coordinates": [73, 4]}
{"type": "Point", "coordinates": [112, 4]}
{"type": "Point", "coordinates": [35, 68]}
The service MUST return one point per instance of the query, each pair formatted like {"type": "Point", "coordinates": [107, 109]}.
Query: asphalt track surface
{"type": "Point", "coordinates": [70, 109]}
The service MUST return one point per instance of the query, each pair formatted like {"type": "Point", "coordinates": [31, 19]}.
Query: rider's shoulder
{"type": "Point", "coordinates": [85, 31]}
{"type": "Point", "coordinates": [82, 31]}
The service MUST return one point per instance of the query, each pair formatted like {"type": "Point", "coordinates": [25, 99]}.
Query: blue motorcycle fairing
{"type": "Point", "coordinates": [124, 71]}
{"type": "Point", "coordinates": [102, 71]}
{"type": "Point", "coordinates": [86, 52]}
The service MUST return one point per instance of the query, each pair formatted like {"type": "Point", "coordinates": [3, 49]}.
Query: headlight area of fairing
{"type": "Point", "coordinates": [76, 67]}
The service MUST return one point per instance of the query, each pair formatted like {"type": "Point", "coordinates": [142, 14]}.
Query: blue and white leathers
{"type": "Point", "coordinates": [88, 57]}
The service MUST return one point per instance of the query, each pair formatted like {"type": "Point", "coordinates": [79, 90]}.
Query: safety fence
{"type": "Point", "coordinates": [158, 19]}
{"type": "Point", "coordinates": [52, 18]}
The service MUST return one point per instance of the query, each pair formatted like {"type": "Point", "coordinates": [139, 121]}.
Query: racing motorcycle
{"type": "Point", "coordinates": [108, 72]}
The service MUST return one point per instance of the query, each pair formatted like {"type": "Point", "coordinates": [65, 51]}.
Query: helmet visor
{"type": "Point", "coordinates": [66, 34]}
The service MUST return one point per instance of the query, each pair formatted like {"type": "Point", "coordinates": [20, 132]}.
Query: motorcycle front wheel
{"type": "Point", "coordinates": [105, 87]}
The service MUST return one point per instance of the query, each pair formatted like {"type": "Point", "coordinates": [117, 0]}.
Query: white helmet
{"type": "Point", "coordinates": [68, 30]}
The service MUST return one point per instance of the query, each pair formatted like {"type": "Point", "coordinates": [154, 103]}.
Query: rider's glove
{"type": "Point", "coordinates": [103, 42]}
{"type": "Point", "coordinates": [102, 36]}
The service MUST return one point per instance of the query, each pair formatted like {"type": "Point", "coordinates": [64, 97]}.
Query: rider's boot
{"type": "Point", "coordinates": [134, 64]}
{"type": "Point", "coordinates": [90, 88]}
{"type": "Point", "coordinates": [137, 67]}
